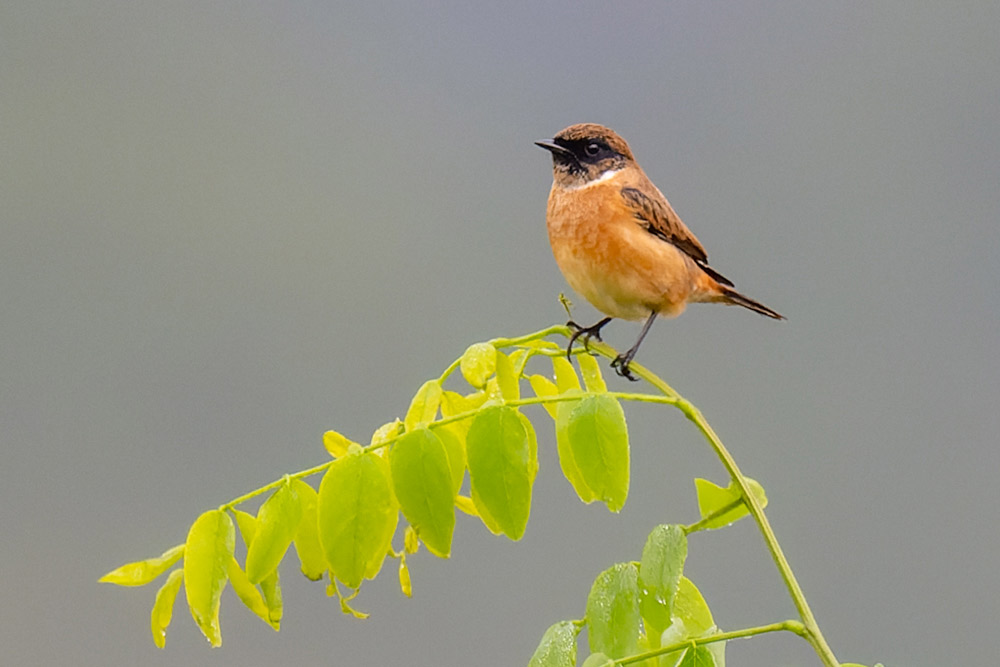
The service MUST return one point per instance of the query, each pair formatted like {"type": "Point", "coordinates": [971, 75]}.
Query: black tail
{"type": "Point", "coordinates": [730, 295]}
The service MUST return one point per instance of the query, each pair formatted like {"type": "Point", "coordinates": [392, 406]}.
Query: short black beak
{"type": "Point", "coordinates": [555, 149]}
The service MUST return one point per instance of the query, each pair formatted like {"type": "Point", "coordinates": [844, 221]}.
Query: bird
{"type": "Point", "coordinates": [618, 241]}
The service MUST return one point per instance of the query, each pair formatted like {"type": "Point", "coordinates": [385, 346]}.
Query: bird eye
{"type": "Point", "coordinates": [593, 149]}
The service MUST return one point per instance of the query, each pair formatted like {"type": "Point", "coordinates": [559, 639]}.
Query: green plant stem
{"type": "Point", "coordinates": [532, 400]}
{"type": "Point", "coordinates": [784, 626]}
{"type": "Point", "coordinates": [812, 633]}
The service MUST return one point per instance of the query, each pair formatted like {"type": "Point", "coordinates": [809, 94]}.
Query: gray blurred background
{"type": "Point", "coordinates": [228, 227]}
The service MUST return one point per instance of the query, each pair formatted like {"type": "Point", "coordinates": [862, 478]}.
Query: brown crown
{"type": "Point", "coordinates": [590, 131]}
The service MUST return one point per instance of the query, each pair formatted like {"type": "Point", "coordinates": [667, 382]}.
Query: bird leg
{"type": "Point", "coordinates": [587, 333]}
{"type": "Point", "coordinates": [621, 362]}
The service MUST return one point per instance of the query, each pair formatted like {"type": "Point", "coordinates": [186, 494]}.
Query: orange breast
{"type": "Point", "coordinates": [608, 258]}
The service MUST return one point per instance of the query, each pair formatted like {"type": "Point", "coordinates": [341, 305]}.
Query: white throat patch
{"type": "Point", "coordinates": [600, 179]}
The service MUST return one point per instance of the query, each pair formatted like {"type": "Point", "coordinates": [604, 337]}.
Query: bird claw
{"type": "Point", "coordinates": [586, 332]}
{"type": "Point", "coordinates": [621, 366]}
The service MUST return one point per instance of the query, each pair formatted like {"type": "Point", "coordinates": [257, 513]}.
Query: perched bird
{"type": "Point", "coordinates": [619, 243]}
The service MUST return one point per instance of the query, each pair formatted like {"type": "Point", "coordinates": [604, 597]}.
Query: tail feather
{"type": "Point", "coordinates": [731, 296]}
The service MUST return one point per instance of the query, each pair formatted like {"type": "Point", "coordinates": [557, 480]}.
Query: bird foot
{"type": "Point", "coordinates": [621, 363]}
{"type": "Point", "coordinates": [586, 332]}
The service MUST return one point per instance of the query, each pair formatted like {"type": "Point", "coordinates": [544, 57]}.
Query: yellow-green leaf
{"type": "Point", "coordinates": [336, 444]}
{"type": "Point", "coordinates": [277, 520]}
{"type": "Point", "coordinates": [465, 504]}
{"type": "Point", "coordinates": [557, 648]}
{"type": "Point", "coordinates": [207, 552]}
{"type": "Point", "coordinates": [507, 378]}
{"type": "Point", "coordinates": [357, 515]}
{"type": "Point", "coordinates": [348, 609]}
{"type": "Point", "coordinates": [725, 504]}
{"type": "Point", "coordinates": [271, 588]}
{"type": "Point", "coordinates": [613, 612]}
{"type": "Point", "coordinates": [405, 584]}
{"type": "Point", "coordinates": [163, 607]}
{"type": "Point", "coordinates": [697, 656]}
{"type": "Point", "coordinates": [593, 380]}
{"type": "Point", "coordinates": [453, 403]}
{"type": "Point", "coordinates": [246, 591]}
{"type": "Point", "coordinates": [566, 378]}
{"type": "Point", "coordinates": [386, 432]}
{"type": "Point", "coordinates": [690, 607]}
{"type": "Point", "coordinates": [306, 540]}
{"type": "Point", "coordinates": [424, 406]}
{"type": "Point", "coordinates": [247, 523]}
{"type": "Point", "coordinates": [564, 446]}
{"type": "Point", "coordinates": [660, 574]}
{"type": "Point", "coordinates": [478, 363]}
{"type": "Point", "coordinates": [424, 487]}
{"type": "Point", "coordinates": [598, 438]}
{"type": "Point", "coordinates": [143, 571]}
{"type": "Point", "coordinates": [544, 388]}
{"type": "Point", "coordinates": [454, 446]}
{"type": "Point", "coordinates": [502, 457]}
{"type": "Point", "coordinates": [598, 660]}
{"type": "Point", "coordinates": [411, 543]}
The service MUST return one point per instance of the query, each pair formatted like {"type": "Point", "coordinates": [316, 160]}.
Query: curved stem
{"type": "Point", "coordinates": [812, 632]}
{"type": "Point", "coordinates": [784, 626]}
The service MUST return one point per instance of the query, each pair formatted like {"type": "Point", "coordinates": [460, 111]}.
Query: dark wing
{"type": "Point", "coordinates": [657, 217]}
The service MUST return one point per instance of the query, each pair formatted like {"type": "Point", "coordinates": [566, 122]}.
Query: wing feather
{"type": "Point", "coordinates": [657, 217]}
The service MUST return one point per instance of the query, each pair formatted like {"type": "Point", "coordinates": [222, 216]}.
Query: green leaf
{"type": "Point", "coordinates": [453, 403]}
{"type": "Point", "coordinates": [478, 363]}
{"type": "Point", "coordinates": [593, 380]}
{"type": "Point", "coordinates": [598, 438]}
{"type": "Point", "coordinates": [247, 523]}
{"type": "Point", "coordinates": [566, 378]}
{"type": "Point", "coordinates": [507, 378]}
{"type": "Point", "coordinates": [209, 547]}
{"type": "Point", "coordinates": [725, 505]}
{"type": "Point", "coordinates": [557, 648]}
{"type": "Point", "coordinates": [690, 607]}
{"type": "Point", "coordinates": [271, 588]}
{"type": "Point", "coordinates": [613, 612]}
{"type": "Point", "coordinates": [698, 656]}
{"type": "Point", "coordinates": [277, 520]}
{"type": "Point", "coordinates": [564, 446]}
{"type": "Point", "coordinates": [598, 660]}
{"type": "Point", "coordinates": [246, 591]}
{"type": "Point", "coordinates": [306, 540]}
{"type": "Point", "coordinates": [454, 446]}
{"type": "Point", "coordinates": [424, 406]}
{"type": "Point", "coordinates": [163, 607]}
{"type": "Point", "coordinates": [335, 444]}
{"type": "Point", "coordinates": [544, 388]}
{"type": "Point", "coordinates": [660, 575]}
{"type": "Point", "coordinates": [424, 486]}
{"type": "Point", "coordinates": [384, 433]}
{"type": "Point", "coordinates": [144, 571]}
{"type": "Point", "coordinates": [357, 516]}
{"type": "Point", "coordinates": [503, 459]}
